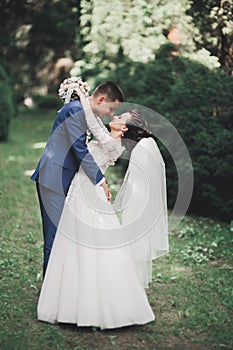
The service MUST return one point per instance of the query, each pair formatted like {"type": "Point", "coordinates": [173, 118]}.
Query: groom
{"type": "Point", "coordinates": [64, 152]}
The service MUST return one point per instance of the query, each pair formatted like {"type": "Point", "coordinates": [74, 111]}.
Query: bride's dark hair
{"type": "Point", "coordinates": [137, 130]}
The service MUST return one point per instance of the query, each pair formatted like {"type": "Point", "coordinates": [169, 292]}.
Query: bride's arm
{"type": "Point", "coordinates": [99, 132]}
{"type": "Point", "coordinates": [111, 146]}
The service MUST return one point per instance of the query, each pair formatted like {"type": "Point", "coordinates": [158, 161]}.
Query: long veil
{"type": "Point", "coordinates": [141, 204]}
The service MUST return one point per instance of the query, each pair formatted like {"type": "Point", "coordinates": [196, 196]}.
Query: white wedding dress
{"type": "Point", "coordinates": [93, 278]}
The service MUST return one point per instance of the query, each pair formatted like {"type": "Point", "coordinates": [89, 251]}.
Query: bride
{"type": "Point", "coordinates": [102, 254]}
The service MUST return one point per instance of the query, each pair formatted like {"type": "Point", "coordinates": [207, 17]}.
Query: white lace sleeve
{"type": "Point", "coordinates": [112, 149]}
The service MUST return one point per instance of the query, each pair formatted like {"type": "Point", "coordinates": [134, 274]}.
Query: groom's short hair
{"type": "Point", "coordinates": [111, 90]}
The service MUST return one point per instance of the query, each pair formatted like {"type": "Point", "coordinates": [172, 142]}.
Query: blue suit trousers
{"type": "Point", "coordinates": [51, 206]}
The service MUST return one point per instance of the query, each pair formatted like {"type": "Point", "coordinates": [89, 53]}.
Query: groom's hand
{"type": "Point", "coordinates": [107, 190]}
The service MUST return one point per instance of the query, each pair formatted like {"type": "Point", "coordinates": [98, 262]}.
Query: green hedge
{"type": "Point", "coordinates": [200, 107]}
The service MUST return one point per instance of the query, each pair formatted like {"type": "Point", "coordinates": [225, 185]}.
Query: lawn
{"type": "Point", "coordinates": [191, 293]}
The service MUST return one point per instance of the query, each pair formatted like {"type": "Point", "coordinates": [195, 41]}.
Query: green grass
{"type": "Point", "coordinates": [191, 293]}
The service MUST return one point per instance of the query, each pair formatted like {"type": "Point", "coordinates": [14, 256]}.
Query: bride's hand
{"type": "Point", "coordinates": [109, 196]}
{"type": "Point", "coordinates": [107, 191]}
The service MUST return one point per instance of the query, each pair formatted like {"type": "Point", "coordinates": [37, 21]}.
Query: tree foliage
{"type": "Point", "coordinates": [214, 18]}
{"type": "Point", "coordinates": [35, 34]}
{"type": "Point", "coordinates": [135, 28]}
{"type": "Point", "coordinates": [52, 33]}
{"type": "Point", "coordinates": [7, 102]}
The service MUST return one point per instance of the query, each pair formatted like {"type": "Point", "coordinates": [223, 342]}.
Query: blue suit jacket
{"type": "Point", "coordinates": [65, 151]}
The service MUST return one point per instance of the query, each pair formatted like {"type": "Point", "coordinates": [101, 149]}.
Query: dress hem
{"type": "Point", "coordinates": [127, 324]}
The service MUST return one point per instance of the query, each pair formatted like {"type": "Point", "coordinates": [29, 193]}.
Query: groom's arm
{"type": "Point", "coordinates": [81, 152]}
{"type": "Point", "coordinates": [75, 127]}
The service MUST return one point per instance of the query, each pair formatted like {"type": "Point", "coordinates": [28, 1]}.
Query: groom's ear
{"type": "Point", "coordinates": [101, 99]}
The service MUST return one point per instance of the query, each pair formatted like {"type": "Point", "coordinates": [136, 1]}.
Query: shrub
{"type": "Point", "coordinates": [196, 106]}
{"type": "Point", "coordinates": [47, 101]}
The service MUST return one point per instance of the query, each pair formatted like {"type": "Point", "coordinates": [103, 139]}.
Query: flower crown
{"type": "Point", "coordinates": [70, 89]}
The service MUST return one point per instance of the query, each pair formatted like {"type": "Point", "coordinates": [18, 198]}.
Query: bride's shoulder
{"type": "Point", "coordinates": [147, 142]}
{"type": "Point", "coordinates": [147, 146]}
